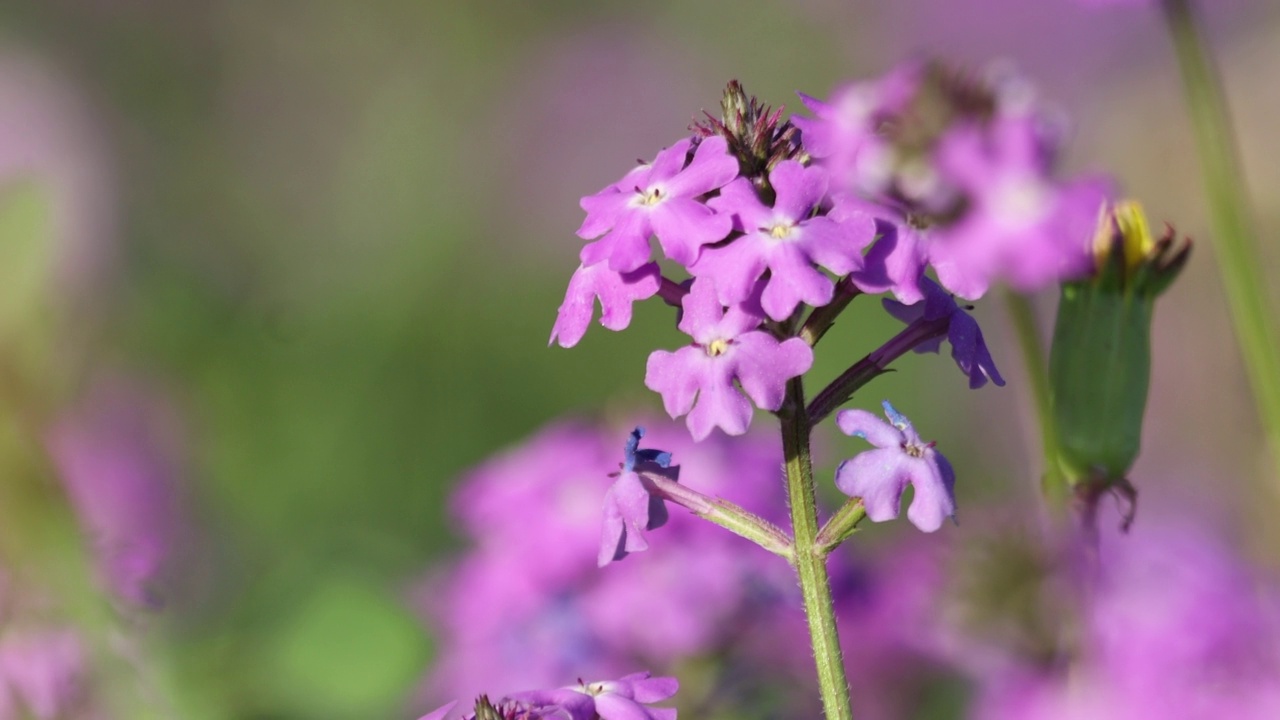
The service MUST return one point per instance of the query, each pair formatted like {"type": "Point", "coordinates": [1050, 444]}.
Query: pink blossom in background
{"type": "Point", "coordinates": [527, 605]}
{"type": "Point", "coordinates": [1177, 625]}
{"type": "Point", "coordinates": [116, 453]}
{"type": "Point", "coordinates": [48, 138]}
{"type": "Point", "coordinates": [42, 674]}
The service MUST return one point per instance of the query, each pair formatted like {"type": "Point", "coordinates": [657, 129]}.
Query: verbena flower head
{"type": "Point", "coordinates": [880, 476]}
{"type": "Point", "coordinates": [968, 348]}
{"type": "Point", "coordinates": [662, 199]}
{"type": "Point", "coordinates": [728, 345]}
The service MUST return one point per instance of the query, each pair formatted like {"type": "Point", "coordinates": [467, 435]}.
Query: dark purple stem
{"type": "Point", "coordinates": [874, 364]}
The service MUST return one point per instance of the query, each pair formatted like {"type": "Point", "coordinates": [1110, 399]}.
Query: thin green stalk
{"type": "Point", "coordinates": [1025, 327]}
{"type": "Point", "coordinates": [1236, 241]}
{"type": "Point", "coordinates": [810, 562]}
{"type": "Point", "coordinates": [841, 526]}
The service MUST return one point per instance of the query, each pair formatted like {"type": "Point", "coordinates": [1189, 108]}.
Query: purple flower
{"type": "Point", "coordinates": [727, 346]}
{"type": "Point", "coordinates": [1174, 625]}
{"type": "Point", "coordinates": [659, 199]}
{"type": "Point", "coordinates": [616, 292]}
{"type": "Point", "coordinates": [846, 132]}
{"type": "Point", "coordinates": [622, 699]}
{"type": "Point", "coordinates": [41, 673]}
{"type": "Point", "coordinates": [629, 509]}
{"type": "Point", "coordinates": [1020, 226]}
{"type": "Point", "coordinates": [786, 240]}
{"type": "Point", "coordinates": [968, 348]}
{"type": "Point", "coordinates": [879, 476]}
{"type": "Point", "coordinates": [115, 455]}
{"type": "Point", "coordinates": [896, 261]}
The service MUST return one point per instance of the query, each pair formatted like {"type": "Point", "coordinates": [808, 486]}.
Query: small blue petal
{"type": "Point", "coordinates": [896, 418]}
{"type": "Point", "coordinates": [632, 447]}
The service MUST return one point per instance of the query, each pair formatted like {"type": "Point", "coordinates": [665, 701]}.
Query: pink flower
{"type": "Point", "coordinates": [786, 240]}
{"type": "Point", "coordinates": [880, 476]}
{"type": "Point", "coordinates": [661, 199]}
{"type": "Point", "coordinates": [616, 292]}
{"type": "Point", "coordinates": [727, 346]}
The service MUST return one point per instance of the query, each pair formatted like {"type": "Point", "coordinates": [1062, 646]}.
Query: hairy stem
{"type": "Point", "coordinates": [841, 525]}
{"type": "Point", "coordinates": [727, 515]}
{"type": "Point", "coordinates": [810, 562]}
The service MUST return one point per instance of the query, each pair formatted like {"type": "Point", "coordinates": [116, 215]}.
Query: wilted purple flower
{"type": "Point", "coordinates": [968, 348]}
{"type": "Point", "coordinates": [1020, 225]}
{"type": "Point", "coordinates": [880, 476]}
{"type": "Point", "coordinates": [660, 199]}
{"type": "Point", "coordinates": [727, 346]}
{"type": "Point", "coordinates": [785, 240]}
{"type": "Point", "coordinates": [115, 454]}
{"type": "Point", "coordinates": [629, 509]}
{"type": "Point", "coordinates": [616, 292]}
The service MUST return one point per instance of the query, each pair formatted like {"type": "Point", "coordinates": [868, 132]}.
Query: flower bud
{"type": "Point", "coordinates": [1100, 363]}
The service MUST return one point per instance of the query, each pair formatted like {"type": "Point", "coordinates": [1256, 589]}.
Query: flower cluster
{"type": "Point", "coordinates": [772, 218]}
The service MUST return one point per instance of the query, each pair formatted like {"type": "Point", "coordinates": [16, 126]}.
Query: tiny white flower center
{"type": "Point", "coordinates": [717, 347]}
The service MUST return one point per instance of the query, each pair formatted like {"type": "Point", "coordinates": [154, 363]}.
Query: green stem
{"type": "Point", "coordinates": [841, 526]}
{"type": "Point", "coordinates": [1052, 483]}
{"type": "Point", "coordinates": [1240, 259]}
{"type": "Point", "coordinates": [727, 515]}
{"type": "Point", "coordinates": [810, 563]}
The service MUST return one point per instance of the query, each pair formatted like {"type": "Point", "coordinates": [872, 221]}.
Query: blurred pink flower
{"type": "Point", "coordinates": [48, 137]}
{"type": "Point", "coordinates": [116, 454]}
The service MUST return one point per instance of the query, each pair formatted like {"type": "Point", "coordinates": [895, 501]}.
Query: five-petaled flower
{"type": "Point", "coordinates": [727, 346]}
{"type": "Point", "coordinates": [659, 199]}
{"type": "Point", "coordinates": [786, 240]}
{"type": "Point", "coordinates": [879, 476]}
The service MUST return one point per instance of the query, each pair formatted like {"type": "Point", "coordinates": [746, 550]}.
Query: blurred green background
{"type": "Point", "coordinates": [336, 235]}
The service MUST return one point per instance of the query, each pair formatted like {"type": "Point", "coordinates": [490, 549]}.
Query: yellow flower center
{"type": "Point", "coordinates": [780, 231]}
{"type": "Point", "coordinates": [651, 197]}
{"type": "Point", "coordinates": [717, 347]}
